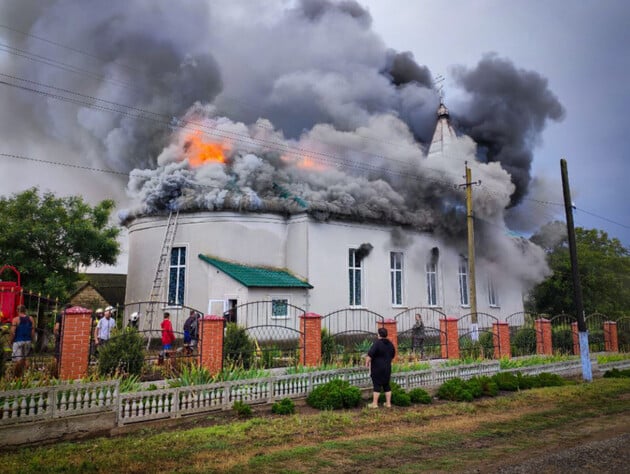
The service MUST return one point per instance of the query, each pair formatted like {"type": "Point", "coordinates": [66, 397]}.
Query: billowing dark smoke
{"type": "Point", "coordinates": [315, 10]}
{"type": "Point", "coordinates": [143, 59]}
{"type": "Point", "coordinates": [404, 70]}
{"type": "Point", "coordinates": [296, 108]}
{"type": "Point", "coordinates": [363, 251]}
{"type": "Point", "coordinates": [506, 113]}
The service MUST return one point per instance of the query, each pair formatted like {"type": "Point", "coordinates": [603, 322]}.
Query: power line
{"type": "Point", "coordinates": [60, 65]}
{"type": "Point", "coordinates": [59, 163]}
{"type": "Point", "coordinates": [323, 157]}
{"type": "Point", "coordinates": [139, 113]}
{"type": "Point", "coordinates": [69, 48]}
{"type": "Point", "coordinates": [603, 218]}
{"type": "Point", "coordinates": [70, 68]}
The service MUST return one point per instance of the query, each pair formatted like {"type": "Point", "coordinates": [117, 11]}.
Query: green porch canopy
{"type": "Point", "coordinates": [260, 277]}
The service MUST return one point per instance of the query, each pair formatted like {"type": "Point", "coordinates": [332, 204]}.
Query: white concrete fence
{"type": "Point", "coordinates": [67, 400]}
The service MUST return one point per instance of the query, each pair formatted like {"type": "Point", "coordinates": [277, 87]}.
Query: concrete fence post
{"type": "Point", "coordinates": [310, 339]}
{"type": "Point", "coordinates": [76, 328]}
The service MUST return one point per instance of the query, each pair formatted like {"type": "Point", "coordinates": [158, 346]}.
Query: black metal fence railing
{"type": "Point", "coordinates": [263, 334]}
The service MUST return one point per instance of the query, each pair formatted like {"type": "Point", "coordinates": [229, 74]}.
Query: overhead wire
{"type": "Point", "coordinates": [87, 101]}
{"type": "Point", "coordinates": [60, 163]}
{"type": "Point", "coordinates": [139, 113]}
{"type": "Point", "coordinates": [114, 107]}
{"type": "Point", "coordinates": [74, 69]}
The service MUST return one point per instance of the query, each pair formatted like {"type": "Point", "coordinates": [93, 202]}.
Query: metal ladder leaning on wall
{"type": "Point", "coordinates": [165, 252]}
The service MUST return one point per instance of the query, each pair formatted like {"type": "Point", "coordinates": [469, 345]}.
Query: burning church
{"type": "Point", "coordinates": [282, 226]}
{"type": "Point", "coordinates": [298, 154]}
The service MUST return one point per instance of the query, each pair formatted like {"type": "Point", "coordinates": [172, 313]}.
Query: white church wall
{"type": "Point", "coordinates": [316, 251]}
{"type": "Point", "coordinates": [297, 246]}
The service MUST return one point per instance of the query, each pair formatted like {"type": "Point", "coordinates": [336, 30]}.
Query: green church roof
{"type": "Point", "coordinates": [256, 276]}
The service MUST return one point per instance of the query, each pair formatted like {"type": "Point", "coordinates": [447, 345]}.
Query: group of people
{"type": "Point", "coordinates": [191, 334]}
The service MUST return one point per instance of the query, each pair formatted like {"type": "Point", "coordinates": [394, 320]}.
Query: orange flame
{"type": "Point", "coordinates": [304, 162]}
{"type": "Point", "coordinates": [200, 152]}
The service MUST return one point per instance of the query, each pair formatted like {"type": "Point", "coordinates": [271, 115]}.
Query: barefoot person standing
{"type": "Point", "coordinates": [379, 360]}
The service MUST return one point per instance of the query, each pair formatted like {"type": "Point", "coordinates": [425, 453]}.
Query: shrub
{"type": "Point", "coordinates": [334, 395]}
{"type": "Point", "coordinates": [419, 395]}
{"type": "Point", "coordinates": [399, 396]}
{"type": "Point", "coordinates": [525, 341]}
{"type": "Point", "coordinates": [124, 353]}
{"type": "Point", "coordinates": [363, 346]}
{"type": "Point", "coordinates": [328, 347]}
{"type": "Point", "coordinates": [283, 407]}
{"type": "Point", "coordinates": [456, 390]}
{"type": "Point", "coordinates": [562, 340]}
{"type": "Point", "coordinates": [506, 381]}
{"type": "Point", "coordinates": [269, 355]}
{"type": "Point", "coordinates": [526, 382]}
{"type": "Point", "coordinates": [242, 410]}
{"type": "Point", "coordinates": [617, 374]}
{"type": "Point", "coordinates": [486, 340]}
{"type": "Point", "coordinates": [238, 346]}
{"type": "Point", "coordinates": [192, 375]}
{"type": "Point", "coordinates": [483, 386]}
{"type": "Point", "coordinates": [482, 348]}
{"type": "Point", "coordinates": [548, 380]}
{"type": "Point", "coordinates": [596, 339]}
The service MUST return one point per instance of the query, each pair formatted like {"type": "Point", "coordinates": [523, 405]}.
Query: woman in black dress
{"type": "Point", "coordinates": [379, 360]}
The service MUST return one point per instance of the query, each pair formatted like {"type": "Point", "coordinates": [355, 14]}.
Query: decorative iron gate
{"type": "Point", "coordinates": [562, 333]}
{"type": "Point", "coordinates": [523, 333]}
{"type": "Point", "coordinates": [351, 332]}
{"type": "Point", "coordinates": [421, 340]}
{"type": "Point", "coordinates": [273, 331]}
{"type": "Point", "coordinates": [476, 342]}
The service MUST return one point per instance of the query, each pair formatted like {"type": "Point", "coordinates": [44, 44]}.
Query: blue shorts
{"type": "Point", "coordinates": [186, 337]}
{"type": "Point", "coordinates": [166, 347]}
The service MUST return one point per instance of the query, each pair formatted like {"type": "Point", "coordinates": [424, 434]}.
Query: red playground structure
{"type": "Point", "coordinates": [10, 296]}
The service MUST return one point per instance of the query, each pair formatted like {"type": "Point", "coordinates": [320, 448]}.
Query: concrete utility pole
{"type": "Point", "coordinates": [577, 288]}
{"type": "Point", "coordinates": [471, 253]}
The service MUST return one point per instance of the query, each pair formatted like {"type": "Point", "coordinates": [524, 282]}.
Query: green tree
{"type": "Point", "coordinates": [604, 268]}
{"type": "Point", "coordinates": [47, 237]}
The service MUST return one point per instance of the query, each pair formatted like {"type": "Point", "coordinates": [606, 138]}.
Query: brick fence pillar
{"type": "Point", "coordinates": [211, 343]}
{"type": "Point", "coordinates": [310, 339]}
{"type": "Point", "coordinates": [76, 329]}
{"type": "Point", "coordinates": [576, 338]}
{"type": "Point", "coordinates": [611, 341]}
{"type": "Point", "coordinates": [544, 345]}
{"type": "Point", "coordinates": [449, 338]}
{"type": "Point", "coordinates": [501, 339]}
{"type": "Point", "coordinates": [392, 333]}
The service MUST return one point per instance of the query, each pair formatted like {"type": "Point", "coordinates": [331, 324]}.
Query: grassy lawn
{"type": "Point", "coordinates": [440, 437]}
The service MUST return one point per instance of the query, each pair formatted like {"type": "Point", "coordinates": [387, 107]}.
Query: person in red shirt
{"type": "Point", "coordinates": [168, 336]}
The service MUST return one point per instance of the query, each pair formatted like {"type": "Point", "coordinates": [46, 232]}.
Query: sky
{"type": "Point", "coordinates": [580, 47]}
{"type": "Point", "coordinates": [574, 54]}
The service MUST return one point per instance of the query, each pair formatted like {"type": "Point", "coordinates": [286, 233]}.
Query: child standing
{"type": "Point", "coordinates": [168, 336]}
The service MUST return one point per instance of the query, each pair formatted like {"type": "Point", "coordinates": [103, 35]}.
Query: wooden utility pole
{"type": "Point", "coordinates": [577, 288]}
{"type": "Point", "coordinates": [471, 250]}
